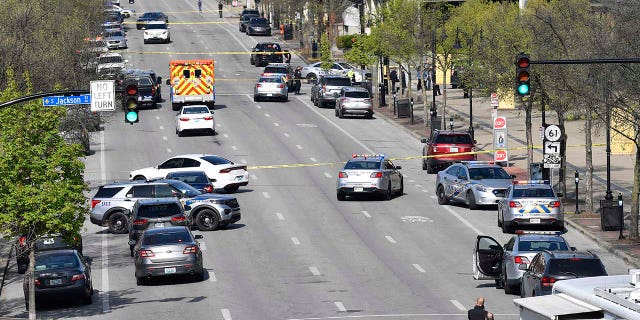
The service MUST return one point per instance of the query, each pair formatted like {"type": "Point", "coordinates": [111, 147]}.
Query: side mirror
{"type": "Point", "coordinates": [523, 267]}
{"type": "Point", "coordinates": [88, 260]}
{"type": "Point", "coordinates": [513, 176]}
{"type": "Point", "coordinates": [560, 194]}
{"type": "Point", "coordinates": [126, 61]}
{"type": "Point", "coordinates": [187, 207]}
{"type": "Point", "coordinates": [132, 242]}
{"type": "Point", "coordinates": [475, 141]}
{"type": "Point", "coordinates": [398, 167]}
{"type": "Point", "coordinates": [198, 237]}
{"type": "Point", "coordinates": [424, 140]}
{"type": "Point", "coordinates": [159, 79]}
{"type": "Point", "coordinates": [574, 249]}
{"type": "Point", "coordinates": [128, 196]}
{"type": "Point", "coordinates": [167, 82]}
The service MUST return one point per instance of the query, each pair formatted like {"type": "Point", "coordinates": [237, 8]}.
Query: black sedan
{"type": "Point", "coordinates": [150, 16]}
{"type": "Point", "coordinates": [258, 26]}
{"type": "Point", "coordinates": [242, 27]}
{"type": "Point", "coordinates": [196, 179]}
{"type": "Point", "coordinates": [60, 275]}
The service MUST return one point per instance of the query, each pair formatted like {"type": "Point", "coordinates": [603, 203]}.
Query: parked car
{"type": "Point", "coordinates": [258, 26]}
{"type": "Point", "coordinates": [280, 69]}
{"type": "Point", "coordinates": [44, 243]}
{"type": "Point", "coordinates": [155, 213]}
{"type": "Point", "coordinates": [60, 275]}
{"type": "Point", "coordinates": [271, 87]}
{"type": "Point", "coordinates": [530, 204]}
{"type": "Point", "coordinates": [474, 183]}
{"type": "Point", "coordinates": [196, 179]}
{"type": "Point", "coordinates": [354, 100]}
{"type": "Point", "coordinates": [150, 16]}
{"type": "Point", "coordinates": [242, 25]}
{"type": "Point", "coordinates": [264, 53]}
{"type": "Point", "coordinates": [249, 11]}
{"type": "Point", "coordinates": [312, 71]}
{"type": "Point", "coordinates": [327, 89]}
{"type": "Point", "coordinates": [168, 251]}
{"type": "Point", "coordinates": [446, 147]}
{"type": "Point", "coordinates": [115, 39]}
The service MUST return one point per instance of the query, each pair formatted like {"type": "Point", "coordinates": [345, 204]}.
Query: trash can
{"type": "Point", "coordinates": [404, 108]}
{"type": "Point", "coordinates": [314, 49]}
{"type": "Point", "coordinates": [610, 215]}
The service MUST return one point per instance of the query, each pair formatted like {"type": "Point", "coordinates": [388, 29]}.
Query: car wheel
{"type": "Point", "coordinates": [253, 63]}
{"type": "Point", "coordinates": [180, 134]}
{"type": "Point", "coordinates": [430, 169]}
{"type": "Point", "coordinates": [320, 104]}
{"type": "Point", "coordinates": [368, 116]}
{"type": "Point", "coordinates": [442, 197]}
{"type": "Point", "coordinates": [255, 99]}
{"type": "Point", "coordinates": [87, 297]}
{"type": "Point", "coordinates": [118, 223]}
{"type": "Point", "coordinates": [175, 107]}
{"type": "Point", "coordinates": [145, 41]}
{"type": "Point", "coordinates": [505, 284]}
{"type": "Point", "coordinates": [471, 200]}
{"type": "Point", "coordinates": [22, 268]}
{"type": "Point", "coordinates": [341, 196]}
{"type": "Point", "coordinates": [199, 276]}
{"type": "Point", "coordinates": [389, 194]}
{"type": "Point", "coordinates": [140, 281]}
{"type": "Point", "coordinates": [139, 177]}
{"type": "Point", "coordinates": [231, 189]}
{"type": "Point", "coordinates": [424, 165]}
{"type": "Point", "coordinates": [311, 77]}
{"type": "Point", "coordinates": [213, 132]}
{"type": "Point", "coordinates": [207, 220]}
{"type": "Point", "coordinates": [401, 191]}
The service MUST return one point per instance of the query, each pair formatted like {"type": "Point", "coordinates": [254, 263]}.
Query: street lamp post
{"type": "Point", "coordinates": [577, 177]}
{"type": "Point", "coordinates": [620, 236]}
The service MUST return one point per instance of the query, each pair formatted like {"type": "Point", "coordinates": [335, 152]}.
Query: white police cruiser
{"type": "Point", "coordinates": [369, 174]}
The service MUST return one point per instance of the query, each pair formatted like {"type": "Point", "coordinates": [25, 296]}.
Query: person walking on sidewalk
{"type": "Point", "coordinates": [436, 87]}
{"type": "Point", "coordinates": [419, 76]}
{"type": "Point", "coordinates": [220, 8]}
{"type": "Point", "coordinates": [478, 312]}
{"type": "Point", "coordinates": [394, 79]}
{"type": "Point", "coordinates": [200, 5]}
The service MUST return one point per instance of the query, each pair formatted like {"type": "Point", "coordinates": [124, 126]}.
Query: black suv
{"type": "Point", "coordinates": [45, 243]}
{"type": "Point", "coordinates": [150, 16]}
{"type": "Point", "coordinates": [132, 73]}
{"type": "Point", "coordinates": [548, 267]}
{"type": "Point", "coordinates": [155, 213]}
{"type": "Point", "coordinates": [266, 52]}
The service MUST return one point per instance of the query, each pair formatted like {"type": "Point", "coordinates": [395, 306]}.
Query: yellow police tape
{"type": "Point", "coordinates": [302, 165]}
{"type": "Point", "coordinates": [172, 23]}
{"type": "Point", "coordinates": [208, 53]}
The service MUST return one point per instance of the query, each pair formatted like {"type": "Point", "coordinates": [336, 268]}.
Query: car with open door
{"type": "Point", "coordinates": [487, 259]}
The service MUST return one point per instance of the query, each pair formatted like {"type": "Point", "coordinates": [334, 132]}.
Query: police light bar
{"type": "Point", "coordinates": [553, 233]}
{"type": "Point", "coordinates": [367, 156]}
{"type": "Point", "coordinates": [531, 182]}
{"type": "Point", "coordinates": [472, 162]}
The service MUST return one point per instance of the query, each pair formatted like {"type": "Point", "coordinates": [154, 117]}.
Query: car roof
{"type": "Point", "coordinates": [479, 164]}
{"type": "Point", "coordinates": [187, 173]}
{"type": "Point", "coordinates": [447, 132]}
{"type": "Point", "coordinates": [566, 254]}
{"type": "Point", "coordinates": [278, 64]}
{"type": "Point", "coordinates": [110, 54]}
{"type": "Point", "coordinates": [359, 89]}
{"type": "Point", "coordinates": [540, 237]}
{"type": "Point", "coordinates": [157, 201]}
{"type": "Point", "coordinates": [367, 157]}
{"type": "Point", "coordinates": [55, 252]}
{"type": "Point", "coordinates": [332, 76]}
{"type": "Point", "coordinates": [166, 229]}
{"type": "Point", "coordinates": [194, 106]}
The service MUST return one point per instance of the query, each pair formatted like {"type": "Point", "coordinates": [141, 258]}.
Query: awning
{"type": "Point", "coordinates": [557, 307]}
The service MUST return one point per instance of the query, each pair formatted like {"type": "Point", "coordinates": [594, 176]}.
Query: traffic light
{"type": "Point", "coordinates": [130, 104]}
{"type": "Point", "coordinates": [523, 74]}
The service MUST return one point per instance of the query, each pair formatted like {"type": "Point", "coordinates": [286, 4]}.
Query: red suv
{"type": "Point", "coordinates": [444, 147]}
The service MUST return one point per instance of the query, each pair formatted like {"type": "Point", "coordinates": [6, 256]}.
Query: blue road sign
{"type": "Point", "coordinates": [66, 101]}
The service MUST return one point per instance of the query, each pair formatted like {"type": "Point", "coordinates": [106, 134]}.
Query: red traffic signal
{"type": "Point", "coordinates": [523, 61]}
{"type": "Point", "coordinates": [131, 90]}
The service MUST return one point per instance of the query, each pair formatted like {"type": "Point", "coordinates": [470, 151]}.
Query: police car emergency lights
{"type": "Point", "coordinates": [365, 156]}
{"type": "Point", "coordinates": [531, 182]}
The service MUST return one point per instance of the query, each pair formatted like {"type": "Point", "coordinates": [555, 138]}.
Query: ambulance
{"type": "Point", "coordinates": [191, 82]}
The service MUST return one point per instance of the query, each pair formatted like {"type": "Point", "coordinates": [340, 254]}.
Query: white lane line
{"type": "Point", "coordinates": [226, 314]}
{"type": "Point", "coordinates": [314, 270]}
{"type": "Point", "coordinates": [340, 306]}
{"type": "Point", "coordinates": [425, 190]}
{"type": "Point", "coordinates": [434, 197]}
{"type": "Point", "coordinates": [212, 276]}
{"type": "Point", "coordinates": [458, 305]}
{"type": "Point", "coordinates": [286, 135]}
{"type": "Point", "coordinates": [253, 177]}
{"type": "Point", "coordinates": [259, 106]}
{"type": "Point", "coordinates": [280, 216]}
{"type": "Point", "coordinates": [105, 240]}
{"type": "Point", "coordinates": [313, 159]}
{"type": "Point", "coordinates": [299, 146]}
{"type": "Point", "coordinates": [161, 127]}
{"type": "Point", "coordinates": [168, 150]}
{"type": "Point", "coordinates": [267, 115]}
{"type": "Point", "coordinates": [157, 118]}
{"type": "Point", "coordinates": [243, 160]}
{"type": "Point", "coordinates": [463, 220]}
{"type": "Point", "coordinates": [419, 185]}
{"type": "Point", "coordinates": [327, 174]}
{"type": "Point", "coordinates": [412, 181]}
{"type": "Point", "coordinates": [234, 147]}
{"type": "Point", "coordinates": [366, 213]}
{"type": "Point", "coordinates": [390, 239]}
{"type": "Point", "coordinates": [225, 135]}
{"type": "Point", "coordinates": [165, 138]}
{"type": "Point", "coordinates": [312, 108]}
{"type": "Point", "coordinates": [276, 124]}
{"type": "Point", "coordinates": [203, 246]}
{"type": "Point", "coordinates": [419, 268]}
{"type": "Point", "coordinates": [266, 195]}
{"type": "Point", "coordinates": [295, 241]}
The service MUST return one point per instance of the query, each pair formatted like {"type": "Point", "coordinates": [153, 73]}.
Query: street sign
{"type": "Point", "coordinates": [552, 133]}
{"type": "Point", "coordinates": [500, 156]}
{"type": "Point", "coordinates": [103, 95]}
{"type": "Point", "coordinates": [494, 99]}
{"type": "Point", "coordinates": [499, 123]}
{"type": "Point", "coordinates": [552, 147]}
{"type": "Point", "coordinates": [66, 100]}
{"type": "Point", "coordinates": [501, 139]}
{"type": "Point", "coordinates": [551, 160]}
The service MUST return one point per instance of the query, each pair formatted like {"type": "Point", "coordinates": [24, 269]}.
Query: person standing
{"type": "Point", "coordinates": [436, 87]}
{"type": "Point", "coordinates": [394, 79]}
{"type": "Point", "coordinates": [297, 74]}
{"type": "Point", "coordinates": [427, 77]}
{"type": "Point", "coordinates": [478, 312]}
{"type": "Point", "coordinates": [419, 76]}
{"type": "Point", "coordinates": [220, 8]}
{"type": "Point", "coordinates": [200, 5]}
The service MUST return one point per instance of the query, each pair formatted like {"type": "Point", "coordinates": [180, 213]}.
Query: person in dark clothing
{"type": "Point", "coordinates": [478, 312]}
{"type": "Point", "coordinates": [287, 56]}
{"type": "Point", "coordinates": [403, 81]}
{"type": "Point", "coordinates": [394, 79]}
{"type": "Point", "coordinates": [297, 74]}
{"type": "Point", "coordinates": [436, 87]}
{"type": "Point", "coordinates": [220, 8]}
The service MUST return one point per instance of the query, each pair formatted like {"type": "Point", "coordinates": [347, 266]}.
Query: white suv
{"type": "Point", "coordinates": [157, 31]}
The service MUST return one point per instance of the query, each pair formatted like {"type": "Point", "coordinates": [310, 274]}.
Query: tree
{"type": "Point", "coordinates": [359, 54]}
{"type": "Point", "coordinates": [325, 53]}
{"type": "Point", "coordinates": [41, 186]}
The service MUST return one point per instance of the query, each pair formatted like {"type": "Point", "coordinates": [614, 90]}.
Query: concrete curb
{"type": "Point", "coordinates": [635, 262]}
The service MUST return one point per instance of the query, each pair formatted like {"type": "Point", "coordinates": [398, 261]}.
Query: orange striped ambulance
{"type": "Point", "coordinates": [192, 82]}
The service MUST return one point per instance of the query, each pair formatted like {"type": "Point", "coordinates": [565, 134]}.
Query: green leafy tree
{"type": "Point", "coordinates": [325, 53]}
{"type": "Point", "coordinates": [41, 186]}
{"type": "Point", "coordinates": [359, 53]}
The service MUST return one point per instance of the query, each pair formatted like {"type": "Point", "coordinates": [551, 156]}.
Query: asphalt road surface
{"type": "Point", "coordinates": [297, 253]}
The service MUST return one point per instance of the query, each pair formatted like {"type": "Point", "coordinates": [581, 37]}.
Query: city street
{"type": "Point", "coordinates": [297, 253]}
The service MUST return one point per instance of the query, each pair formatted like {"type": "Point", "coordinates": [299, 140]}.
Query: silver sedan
{"type": "Point", "coordinates": [531, 204]}
{"type": "Point", "coordinates": [271, 87]}
{"type": "Point", "coordinates": [167, 252]}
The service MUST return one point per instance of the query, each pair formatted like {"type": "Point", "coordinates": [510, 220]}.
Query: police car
{"type": "Point", "coordinates": [472, 182]}
{"type": "Point", "coordinates": [369, 174]}
{"type": "Point", "coordinates": [493, 261]}
{"type": "Point", "coordinates": [531, 203]}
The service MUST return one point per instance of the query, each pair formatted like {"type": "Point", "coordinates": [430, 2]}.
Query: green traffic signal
{"type": "Point", "coordinates": [132, 116]}
{"type": "Point", "coordinates": [523, 89]}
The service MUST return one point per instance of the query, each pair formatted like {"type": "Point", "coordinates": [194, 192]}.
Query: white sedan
{"type": "Point", "coordinates": [195, 118]}
{"type": "Point", "coordinates": [223, 173]}
{"type": "Point", "coordinates": [312, 71]}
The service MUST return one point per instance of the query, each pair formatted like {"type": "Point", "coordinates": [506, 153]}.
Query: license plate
{"type": "Point", "coordinates": [54, 282]}
{"type": "Point", "coordinates": [196, 120]}
{"type": "Point", "coordinates": [238, 178]}
{"type": "Point", "coordinates": [169, 270]}
{"type": "Point", "coordinates": [534, 220]}
{"type": "Point", "coordinates": [159, 225]}
{"type": "Point", "coordinates": [269, 94]}
{"type": "Point", "coordinates": [453, 149]}
{"type": "Point", "coordinates": [358, 189]}
{"type": "Point", "coordinates": [48, 241]}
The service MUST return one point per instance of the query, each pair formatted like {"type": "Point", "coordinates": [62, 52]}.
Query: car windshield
{"type": "Point", "coordinates": [157, 26]}
{"type": "Point", "coordinates": [145, 81]}
{"type": "Point", "coordinates": [112, 33]}
{"type": "Point", "coordinates": [195, 110]}
{"type": "Point", "coordinates": [535, 246]}
{"type": "Point", "coordinates": [576, 266]}
{"type": "Point", "coordinates": [454, 138]}
{"type": "Point", "coordinates": [356, 94]}
{"type": "Point", "coordinates": [215, 160]}
{"type": "Point", "coordinates": [186, 189]}
{"type": "Point", "coordinates": [159, 210]}
{"type": "Point", "coordinates": [275, 70]}
{"type": "Point", "coordinates": [488, 173]}
{"type": "Point", "coordinates": [533, 193]}
{"type": "Point", "coordinates": [56, 261]}
{"type": "Point", "coordinates": [150, 15]}
{"type": "Point", "coordinates": [248, 17]}
{"type": "Point", "coordinates": [339, 82]}
{"type": "Point", "coordinates": [270, 79]}
{"type": "Point", "coordinates": [363, 165]}
{"type": "Point", "coordinates": [272, 47]}
{"type": "Point", "coordinates": [110, 59]}
{"type": "Point", "coordinates": [346, 65]}
{"type": "Point", "coordinates": [163, 238]}
{"type": "Point", "coordinates": [258, 21]}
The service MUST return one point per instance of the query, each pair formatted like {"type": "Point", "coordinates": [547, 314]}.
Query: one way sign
{"type": "Point", "coordinates": [552, 147]}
